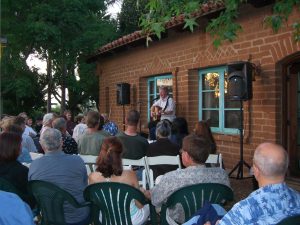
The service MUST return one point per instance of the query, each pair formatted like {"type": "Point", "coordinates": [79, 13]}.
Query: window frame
{"type": "Point", "coordinates": [221, 70]}
{"type": "Point", "coordinates": [154, 79]}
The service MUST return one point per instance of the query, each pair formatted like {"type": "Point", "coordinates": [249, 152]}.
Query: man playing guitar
{"type": "Point", "coordinates": [164, 108]}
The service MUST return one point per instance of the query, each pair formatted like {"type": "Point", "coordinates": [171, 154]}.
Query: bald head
{"type": "Point", "coordinates": [271, 160]}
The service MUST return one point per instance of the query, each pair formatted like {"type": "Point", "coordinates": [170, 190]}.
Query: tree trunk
{"type": "Point", "coordinates": [63, 87]}
{"type": "Point", "coordinates": [49, 77]}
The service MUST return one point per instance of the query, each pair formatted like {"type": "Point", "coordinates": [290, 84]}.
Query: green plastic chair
{"type": "Point", "coordinates": [293, 220]}
{"type": "Point", "coordinates": [193, 197]}
{"type": "Point", "coordinates": [50, 199]}
{"type": "Point", "coordinates": [5, 185]}
{"type": "Point", "coordinates": [113, 200]}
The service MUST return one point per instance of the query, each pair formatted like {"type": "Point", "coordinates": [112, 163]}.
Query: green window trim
{"type": "Point", "coordinates": [221, 105]}
{"type": "Point", "coordinates": [154, 93]}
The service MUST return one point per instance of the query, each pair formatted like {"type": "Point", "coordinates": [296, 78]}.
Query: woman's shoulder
{"type": "Point", "coordinates": [95, 177]}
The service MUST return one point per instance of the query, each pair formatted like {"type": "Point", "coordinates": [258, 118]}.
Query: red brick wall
{"type": "Point", "coordinates": [184, 53]}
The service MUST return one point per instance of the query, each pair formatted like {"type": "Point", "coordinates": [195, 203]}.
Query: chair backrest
{"type": "Point", "coordinates": [293, 220]}
{"type": "Point", "coordinates": [113, 200]}
{"type": "Point", "coordinates": [90, 162]}
{"type": "Point", "coordinates": [128, 163]}
{"type": "Point", "coordinates": [159, 160]}
{"type": "Point", "coordinates": [193, 197]}
{"type": "Point", "coordinates": [35, 155]}
{"type": "Point", "coordinates": [5, 185]}
{"type": "Point", "coordinates": [215, 159]}
{"type": "Point", "coordinates": [50, 199]}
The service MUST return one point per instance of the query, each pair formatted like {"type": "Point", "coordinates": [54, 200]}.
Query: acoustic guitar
{"type": "Point", "coordinates": [155, 112]}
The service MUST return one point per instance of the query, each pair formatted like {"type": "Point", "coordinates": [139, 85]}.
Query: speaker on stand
{"type": "Point", "coordinates": [240, 89]}
{"type": "Point", "coordinates": [123, 97]}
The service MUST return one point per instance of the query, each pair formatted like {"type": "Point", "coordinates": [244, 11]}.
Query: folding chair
{"type": "Point", "coordinates": [215, 159]}
{"type": "Point", "coordinates": [159, 160]}
{"type": "Point", "coordinates": [128, 163]}
{"type": "Point", "coordinates": [90, 162]}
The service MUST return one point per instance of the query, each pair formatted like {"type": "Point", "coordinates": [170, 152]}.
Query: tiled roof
{"type": "Point", "coordinates": [205, 9]}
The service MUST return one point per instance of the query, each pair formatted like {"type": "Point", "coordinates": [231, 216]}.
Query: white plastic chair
{"type": "Point", "coordinates": [160, 160]}
{"type": "Point", "coordinates": [128, 163]}
{"type": "Point", "coordinates": [35, 155]}
{"type": "Point", "coordinates": [90, 162]}
{"type": "Point", "coordinates": [215, 159]}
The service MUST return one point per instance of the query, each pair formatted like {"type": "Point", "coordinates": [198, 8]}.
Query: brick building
{"type": "Point", "coordinates": [196, 73]}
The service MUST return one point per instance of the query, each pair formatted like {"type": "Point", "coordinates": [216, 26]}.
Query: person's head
{"type": "Point", "coordinates": [109, 161]}
{"type": "Point", "coordinates": [180, 126]}
{"type": "Point", "coordinates": [163, 129]}
{"type": "Point", "coordinates": [195, 150]}
{"type": "Point", "coordinates": [270, 163]}
{"type": "Point", "coordinates": [10, 146]}
{"type": "Point", "coordinates": [79, 118]}
{"type": "Point", "coordinates": [24, 115]}
{"type": "Point", "coordinates": [51, 140]}
{"type": "Point", "coordinates": [101, 122]}
{"type": "Point", "coordinates": [132, 118]}
{"type": "Point", "coordinates": [6, 122]}
{"type": "Point", "coordinates": [60, 124]}
{"type": "Point", "coordinates": [163, 91]}
{"type": "Point", "coordinates": [20, 121]}
{"type": "Point", "coordinates": [92, 119]}
{"type": "Point", "coordinates": [202, 128]}
{"type": "Point", "coordinates": [29, 121]}
{"type": "Point", "coordinates": [68, 114]}
{"type": "Point", "coordinates": [47, 119]}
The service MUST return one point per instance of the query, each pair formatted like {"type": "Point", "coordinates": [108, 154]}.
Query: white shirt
{"type": "Point", "coordinates": [171, 107]}
{"type": "Point", "coordinates": [79, 131]}
{"type": "Point", "coordinates": [29, 131]}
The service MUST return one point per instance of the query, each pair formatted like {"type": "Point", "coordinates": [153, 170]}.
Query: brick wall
{"type": "Point", "coordinates": [184, 53]}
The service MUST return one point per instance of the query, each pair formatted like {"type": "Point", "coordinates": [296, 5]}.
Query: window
{"type": "Point", "coordinates": [153, 88]}
{"type": "Point", "coordinates": [214, 104]}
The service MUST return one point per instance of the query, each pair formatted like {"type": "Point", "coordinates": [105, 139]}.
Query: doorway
{"type": "Point", "coordinates": [292, 103]}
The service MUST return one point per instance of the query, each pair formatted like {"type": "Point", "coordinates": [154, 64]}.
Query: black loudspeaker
{"type": "Point", "coordinates": [239, 81]}
{"type": "Point", "coordinates": [123, 94]}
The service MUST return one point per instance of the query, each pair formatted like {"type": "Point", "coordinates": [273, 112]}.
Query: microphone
{"type": "Point", "coordinates": [155, 99]}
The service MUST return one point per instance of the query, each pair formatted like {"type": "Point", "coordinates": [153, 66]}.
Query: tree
{"type": "Point", "coordinates": [223, 27]}
{"type": "Point", "coordinates": [62, 33]}
{"type": "Point", "coordinates": [128, 18]}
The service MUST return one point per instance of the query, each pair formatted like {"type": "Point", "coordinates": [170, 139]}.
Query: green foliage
{"type": "Point", "coordinates": [128, 18]}
{"type": "Point", "coordinates": [222, 28]}
{"type": "Point", "coordinates": [61, 31]}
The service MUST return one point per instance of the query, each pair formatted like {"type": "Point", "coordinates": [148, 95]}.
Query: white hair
{"type": "Point", "coordinates": [51, 139]}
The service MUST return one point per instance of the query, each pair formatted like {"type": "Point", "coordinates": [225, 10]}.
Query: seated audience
{"type": "Point", "coordinates": [11, 169]}
{"type": "Point", "coordinates": [163, 146]}
{"type": "Point", "coordinates": [69, 144]}
{"type": "Point", "coordinates": [195, 151]}
{"type": "Point", "coordinates": [28, 129]}
{"type": "Point", "coordinates": [274, 200]}
{"type": "Point", "coordinates": [80, 128]}
{"type": "Point", "coordinates": [47, 122]}
{"type": "Point", "coordinates": [109, 126]}
{"type": "Point", "coordinates": [64, 170]}
{"type": "Point", "coordinates": [202, 128]}
{"type": "Point", "coordinates": [90, 143]}
{"type": "Point", "coordinates": [135, 146]}
{"type": "Point", "coordinates": [110, 169]}
{"type": "Point", "coordinates": [70, 123]}
{"type": "Point", "coordinates": [179, 130]}
{"type": "Point", "coordinates": [14, 210]}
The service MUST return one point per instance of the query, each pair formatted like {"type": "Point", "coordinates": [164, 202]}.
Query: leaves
{"type": "Point", "coordinates": [190, 23]}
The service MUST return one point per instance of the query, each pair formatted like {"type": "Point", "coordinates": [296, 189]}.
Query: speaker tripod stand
{"type": "Point", "coordinates": [240, 165]}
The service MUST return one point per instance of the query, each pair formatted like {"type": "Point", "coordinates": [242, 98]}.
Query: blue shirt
{"type": "Point", "coordinates": [66, 171]}
{"type": "Point", "coordinates": [111, 128]}
{"type": "Point", "coordinates": [266, 206]}
{"type": "Point", "coordinates": [13, 210]}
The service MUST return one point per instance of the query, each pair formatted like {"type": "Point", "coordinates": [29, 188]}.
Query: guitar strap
{"type": "Point", "coordinates": [166, 104]}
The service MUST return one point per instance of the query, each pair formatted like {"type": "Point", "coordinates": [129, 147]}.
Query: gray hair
{"type": "Point", "coordinates": [51, 139]}
{"type": "Point", "coordinates": [47, 118]}
{"type": "Point", "coordinates": [271, 165]}
{"type": "Point", "coordinates": [163, 129]}
{"type": "Point", "coordinates": [59, 123]}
